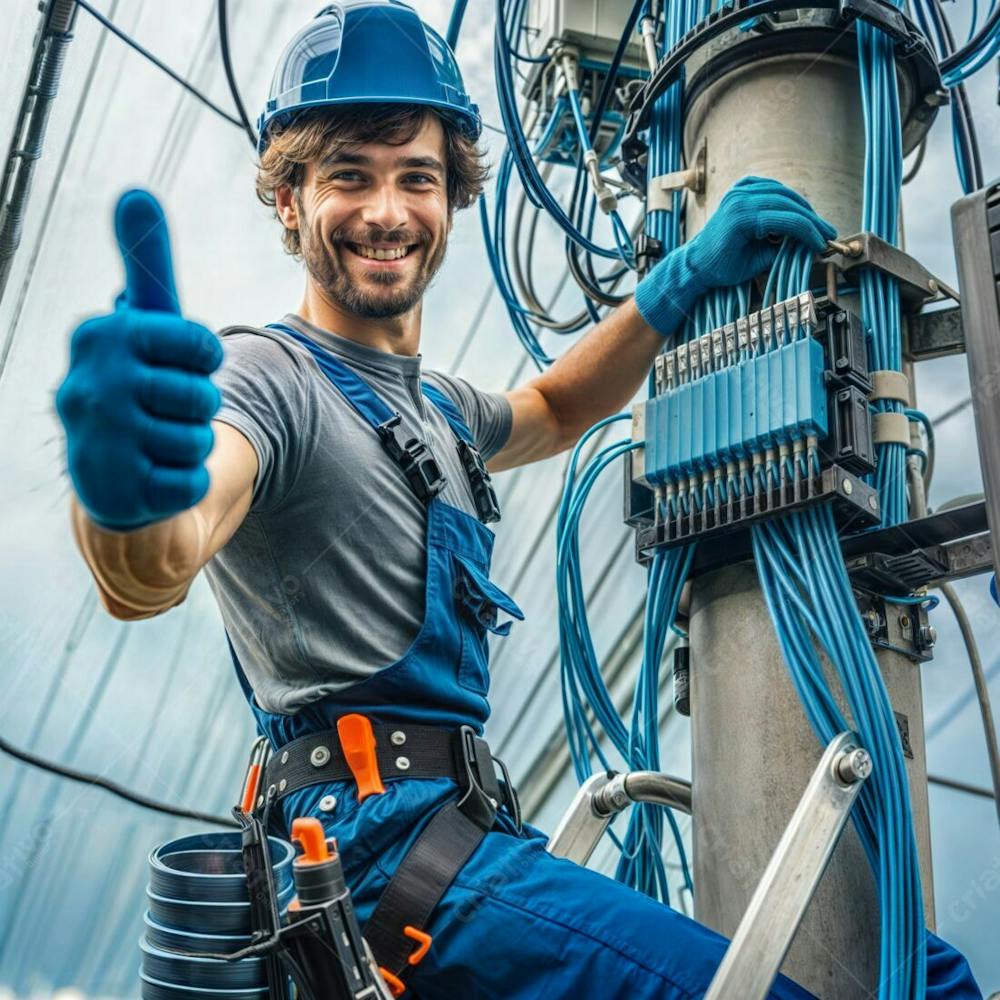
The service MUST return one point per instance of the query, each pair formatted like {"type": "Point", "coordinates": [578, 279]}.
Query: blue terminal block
{"type": "Point", "coordinates": [761, 416]}
{"type": "Point", "coordinates": [775, 398]}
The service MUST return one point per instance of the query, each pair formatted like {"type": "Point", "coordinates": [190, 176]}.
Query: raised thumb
{"type": "Point", "coordinates": [144, 243]}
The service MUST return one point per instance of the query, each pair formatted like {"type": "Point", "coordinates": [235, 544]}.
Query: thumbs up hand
{"type": "Point", "coordinates": [137, 401]}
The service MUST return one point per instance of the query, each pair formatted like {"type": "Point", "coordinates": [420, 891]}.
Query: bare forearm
{"type": "Point", "coordinates": [144, 572]}
{"type": "Point", "coordinates": [141, 573]}
{"type": "Point", "coordinates": [601, 373]}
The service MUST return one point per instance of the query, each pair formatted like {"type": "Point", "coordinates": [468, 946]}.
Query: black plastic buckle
{"type": "Point", "coordinates": [414, 458]}
{"type": "Point", "coordinates": [487, 505]}
{"type": "Point", "coordinates": [508, 794]}
{"type": "Point", "coordinates": [483, 794]}
{"type": "Point", "coordinates": [476, 778]}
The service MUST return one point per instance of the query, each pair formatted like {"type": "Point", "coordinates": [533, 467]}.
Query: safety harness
{"type": "Point", "coordinates": [372, 755]}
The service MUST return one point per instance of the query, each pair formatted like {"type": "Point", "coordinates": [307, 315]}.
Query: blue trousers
{"type": "Point", "coordinates": [518, 923]}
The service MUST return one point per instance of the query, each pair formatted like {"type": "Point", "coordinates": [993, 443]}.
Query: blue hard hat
{"type": "Point", "coordinates": [367, 51]}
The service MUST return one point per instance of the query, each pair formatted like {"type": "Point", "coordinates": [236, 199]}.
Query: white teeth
{"type": "Point", "coordinates": [375, 253]}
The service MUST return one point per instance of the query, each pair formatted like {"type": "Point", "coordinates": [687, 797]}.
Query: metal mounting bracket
{"type": "Point", "coordinates": [771, 919]}
{"type": "Point", "coordinates": [916, 284]}
{"type": "Point", "coordinates": [903, 628]}
{"type": "Point", "coordinates": [936, 334]}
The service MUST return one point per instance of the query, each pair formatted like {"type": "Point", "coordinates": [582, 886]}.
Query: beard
{"type": "Point", "coordinates": [380, 294]}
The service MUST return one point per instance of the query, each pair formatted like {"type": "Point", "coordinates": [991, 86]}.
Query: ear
{"type": "Point", "coordinates": [286, 205]}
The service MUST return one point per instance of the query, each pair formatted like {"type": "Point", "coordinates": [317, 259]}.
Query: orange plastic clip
{"type": "Point", "coordinates": [258, 753]}
{"type": "Point", "coordinates": [395, 984]}
{"type": "Point", "coordinates": [309, 832]}
{"type": "Point", "coordinates": [423, 940]}
{"type": "Point", "coordinates": [250, 787]}
{"type": "Point", "coordinates": [358, 743]}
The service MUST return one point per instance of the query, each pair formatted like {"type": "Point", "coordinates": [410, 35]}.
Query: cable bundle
{"type": "Point", "coordinates": [880, 293]}
{"type": "Point", "coordinates": [514, 277]}
{"type": "Point", "coordinates": [809, 596]}
{"type": "Point", "coordinates": [966, 144]}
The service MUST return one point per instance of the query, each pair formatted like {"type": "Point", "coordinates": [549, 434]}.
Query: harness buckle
{"type": "Point", "coordinates": [485, 497]}
{"type": "Point", "coordinates": [482, 794]}
{"type": "Point", "coordinates": [414, 457]}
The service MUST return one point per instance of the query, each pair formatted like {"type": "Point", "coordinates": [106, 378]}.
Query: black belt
{"type": "Point", "coordinates": [448, 840]}
{"type": "Point", "coordinates": [401, 751]}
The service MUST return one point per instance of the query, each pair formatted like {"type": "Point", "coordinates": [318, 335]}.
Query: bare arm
{"type": "Point", "coordinates": [596, 378]}
{"type": "Point", "coordinates": [142, 573]}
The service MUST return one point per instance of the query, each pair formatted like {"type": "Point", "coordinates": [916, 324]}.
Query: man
{"type": "Point", "coordinates": [337, 502]}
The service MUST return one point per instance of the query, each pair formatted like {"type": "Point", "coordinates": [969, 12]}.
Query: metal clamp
{"type": "Point", "coordinates": [603, 795]}
{"type": "Point", "coordinates": [916, 284]}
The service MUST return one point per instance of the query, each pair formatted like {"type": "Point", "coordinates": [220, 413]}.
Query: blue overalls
{"type": "Point", "coordinates": [517, 923]}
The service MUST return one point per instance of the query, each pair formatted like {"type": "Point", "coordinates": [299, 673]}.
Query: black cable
{"type": "Point", "coordinates": [590, 283]}
{"type": "Point", "coordinates": [115, 30]}
{"type": "Point", "coordinates": [917, 163]}
{"type": "Point", "coordinates": [963, 111]}
{"type": "Point", "coordinates": [590, 288]}
{"type": "Point", "coordinates": [113, 787]}
{"type": "Point", "coordinates": [983, 35]}
{"type": "Point", "coordinates": [960, 786]}
{"type": "Point", "coordinates": [227, 64]}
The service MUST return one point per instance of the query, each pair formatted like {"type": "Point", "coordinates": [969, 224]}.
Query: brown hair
{"type": "Point", "coordinates": [320, 133]}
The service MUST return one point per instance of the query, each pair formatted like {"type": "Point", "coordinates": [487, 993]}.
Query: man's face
{"type": "Point", "coordinates": [373, 223]}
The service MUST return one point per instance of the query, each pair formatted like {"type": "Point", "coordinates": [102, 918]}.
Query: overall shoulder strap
{"type": "Point", "coordinates": [410, 453]}
{"type": "Point", "coordinates": [449, 411]}
{"type": "Point", "coordinates": [361, 396]}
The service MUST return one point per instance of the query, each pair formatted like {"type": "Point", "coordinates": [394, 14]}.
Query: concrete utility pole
{"type": "Point", "coordinates": [789, 110]}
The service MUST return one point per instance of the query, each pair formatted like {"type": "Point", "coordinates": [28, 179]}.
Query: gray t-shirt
{"type": "Point", "coordinates": [323, 583]}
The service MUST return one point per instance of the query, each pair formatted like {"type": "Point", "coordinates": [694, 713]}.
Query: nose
{"type": "Point", "coordinates": [384, 208]}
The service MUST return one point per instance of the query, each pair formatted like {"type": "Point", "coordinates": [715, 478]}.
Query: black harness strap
{"type": "Point", "coordinates": [418, 884]}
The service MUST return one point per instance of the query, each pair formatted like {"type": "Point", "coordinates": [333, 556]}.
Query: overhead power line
{"type": "Point", "coordinates": [173, 74]}
{"type": "Point", "coordinates": [87, 778]}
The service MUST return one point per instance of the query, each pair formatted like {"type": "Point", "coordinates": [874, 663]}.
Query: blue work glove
{"type": "Point", "coordinates": [137, 401]}
{"type": "Point", "coordinates": [737, 243]}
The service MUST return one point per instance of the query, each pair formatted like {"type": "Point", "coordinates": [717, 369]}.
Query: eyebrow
{"type": "Point", "coordinates": [408, 162]}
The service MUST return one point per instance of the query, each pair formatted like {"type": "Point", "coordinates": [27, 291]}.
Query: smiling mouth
{"type": "Point", "coordinates": [380, 253]}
